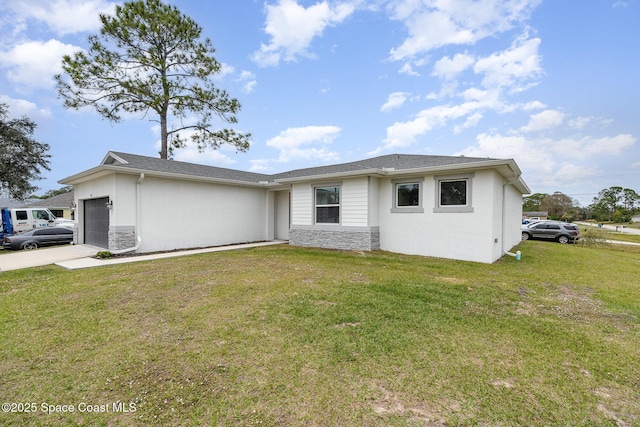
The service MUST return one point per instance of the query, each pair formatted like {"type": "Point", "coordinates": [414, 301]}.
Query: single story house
{"type": "Point", "coordinates": [535, 215]}
{"type": "Point", "coordinates": [59, 205]}
{"type": "Point", "coordinates": [452, 207]}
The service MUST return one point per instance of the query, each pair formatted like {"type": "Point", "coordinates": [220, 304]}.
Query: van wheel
{"type": "Point", "coordinates": [563, 240]}
{"type": "Point", "coordinates": [29, 246]}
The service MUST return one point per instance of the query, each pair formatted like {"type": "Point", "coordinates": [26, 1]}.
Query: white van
{"type": "Point", "coordinates": [16, 221]}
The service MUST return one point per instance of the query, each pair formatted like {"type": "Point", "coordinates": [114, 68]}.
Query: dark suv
{"type": "Point", "coordinates": [561, 232]}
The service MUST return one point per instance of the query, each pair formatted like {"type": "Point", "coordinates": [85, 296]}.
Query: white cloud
{"type": "Point", "coordinates": [472, 120]}
{"type": "Point", "coordinates": [547, 119]}
{"type": "Point", "coordinates": [395, 100]}
{"type": "Point", "coordinates": [307, 143]}
{"type": "Point", "coordinates": [635, 165]}
{"type": "Point", "coordinates": [489, 98]}
{"type": "Point", "coordinates": [21, 107]}
{"type": "Point", "coordinates": [33, 64]}
{"type": "Point", "coordinates": [260, 165]}
{"type": "Point", "coordinates": [435, 23]}
{"type": "Point", "coordinates": [408, 70]}
{"type": "Point", "coordinates": [297, 143]}
{"type": "Point", "coordinates": [293, 27]}
{"type": "Point", "coordinates": [225, 70]}
{"type": "Point", "coordinates": [191, 153]}
{"type": "Point", "coordinates": [533, 105]}
{"type": "Point", "coordinates": [548, 161]}
{"type": "Point", "coordinates": [63, 16]}
{"type": "Point", "coordinates": [248, 80]}
{"type": "Point", "coordinates": [580, 122]}
{"type": "Point", "coordinates": [448, 68]}
{"type": "Point", "coordinates": [517, 67]}
{"type": "Point", "coordinates": [404, 134]}
{"type": "Point", "coordinates": [573, 172]}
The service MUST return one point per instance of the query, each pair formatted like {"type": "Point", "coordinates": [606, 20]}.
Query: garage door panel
{"type": "Point", "coordinates": [96, 222]}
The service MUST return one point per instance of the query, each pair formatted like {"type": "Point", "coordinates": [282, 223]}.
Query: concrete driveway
{"type": "Point", "coordinates": [14, 260]}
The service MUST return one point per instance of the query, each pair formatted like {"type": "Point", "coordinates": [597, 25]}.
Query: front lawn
{"type": "Point", "coordinates": [288, 336]}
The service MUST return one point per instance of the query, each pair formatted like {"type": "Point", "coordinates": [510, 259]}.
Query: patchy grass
{"type": "Point", "coordinates": [291, 336]}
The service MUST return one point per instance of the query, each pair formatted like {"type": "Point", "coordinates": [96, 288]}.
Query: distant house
{"type": "Point", "coordinates": [535, 215]}
{"type": "Point", "coordinates": [8, 202]}
{"type": "Point", "coordinates": [635, 218]}
{"type": "Point", "coordinates": [60, 205]}
{"type": "Point", "coordinates": [452, 207]}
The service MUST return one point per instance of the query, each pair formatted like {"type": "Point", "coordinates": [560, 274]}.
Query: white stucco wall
{"type": "Point", "coordinates": [513, 217]}
{"type": "Point", "coordinates": [95, 189]}
{"type": "Point", "coordinates": [187, 214]}
{"type": "Point", "coordinates": [282, 215]}
{"type": "Point", "coordinates": [458, 235]}
{"type": "Point", "coordinates": [374, 202]}
{"type": "Point", "coordinates": [473, 236]}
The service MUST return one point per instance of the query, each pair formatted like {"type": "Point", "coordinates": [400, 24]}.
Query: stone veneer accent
{"type": "Point", "coordinates": [122, 237]}
{"type": "Point", "coordinates": [345, 238]}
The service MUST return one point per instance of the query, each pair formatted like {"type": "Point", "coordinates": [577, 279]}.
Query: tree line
{"type": "Point", "coordinates": [615, 204]}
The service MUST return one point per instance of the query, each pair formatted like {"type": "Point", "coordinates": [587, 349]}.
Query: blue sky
{"type": "Point", "coordinates": [552, 84]}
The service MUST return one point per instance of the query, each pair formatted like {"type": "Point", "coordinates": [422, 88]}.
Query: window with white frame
{"type": "Point", "coordinates": [327, 204]}
{"type": "Point", "coordinates": [407, 195]}
{"type": "Point", "coordinates": [453, 193]}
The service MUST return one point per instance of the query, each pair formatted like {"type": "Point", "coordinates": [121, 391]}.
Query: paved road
{"type": "Point", "coordinates": [624, 230]}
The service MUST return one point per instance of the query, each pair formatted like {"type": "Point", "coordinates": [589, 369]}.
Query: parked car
{"type": "Point", "coordinates": [33, 239]}
{"type": "Point", "coordinates": [561, 232]}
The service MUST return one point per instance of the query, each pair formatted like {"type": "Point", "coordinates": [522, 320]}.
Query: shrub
{"type": "Point", "coordinates": [103, 255]}
{"type": "Point", "coordinates": [593, 237]}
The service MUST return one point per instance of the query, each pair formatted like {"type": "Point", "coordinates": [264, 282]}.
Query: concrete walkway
{"type": "Point", "coordinates": [16, 260]}
{"type": "Point", "coordinates": [76, 264]}
{"type": "Point", "coordinates": [74, 257]}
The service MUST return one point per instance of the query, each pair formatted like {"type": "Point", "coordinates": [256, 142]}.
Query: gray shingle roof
{"type": "Point", "coordinates": [137, 162]}
{"type": "Point", "coordinates": [63, 200]}
{"type": "Point", "coordinates": [395, 161]}
{"type": "Point", "coordinates": [391, 161]}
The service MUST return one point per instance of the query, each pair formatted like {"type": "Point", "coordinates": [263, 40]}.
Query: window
{"type": "Point", "coordinates": [40, 215]}
{"type": "Point", "coordinates": [453, 193]}
{"type": "Point", "coordinates": [407, 195]}
{"type": "Point", "coordinates": [21, 215]}
{"type": "Point", "coordinates": [327, 205]}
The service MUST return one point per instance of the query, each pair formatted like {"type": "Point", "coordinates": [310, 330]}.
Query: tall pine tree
{"type": "Point", "coordinates": [148, 59]}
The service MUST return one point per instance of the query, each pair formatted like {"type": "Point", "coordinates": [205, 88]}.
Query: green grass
{"type": "Point", "coordinates": [289, 336]}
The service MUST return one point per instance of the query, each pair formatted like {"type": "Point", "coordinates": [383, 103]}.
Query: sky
{"type": "Point", "coordinates": [552, 84]}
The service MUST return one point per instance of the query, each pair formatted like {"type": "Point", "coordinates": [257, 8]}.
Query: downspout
{"type": "Point", "coordinates": [518, 254]}
{"type": "Point", "coordinates": [138, 220]}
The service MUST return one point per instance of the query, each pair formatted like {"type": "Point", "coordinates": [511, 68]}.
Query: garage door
{"type": "Point", "coordinates": [96, 222]}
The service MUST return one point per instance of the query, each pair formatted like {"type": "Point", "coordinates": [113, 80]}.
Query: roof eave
{"type": "Point", "coordinates": [514, 171]}
{"type": "Point", "coordinates": [108, 169]}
